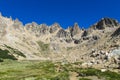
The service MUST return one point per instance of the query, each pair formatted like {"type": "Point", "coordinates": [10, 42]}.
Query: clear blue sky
{"type": "Point", "coordinates": [65, 12]}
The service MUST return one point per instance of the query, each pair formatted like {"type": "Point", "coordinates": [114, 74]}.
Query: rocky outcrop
{"type": "Point", "coordinates": [85, 33]}
{"type": "Point", "coordinates": [36, 29]}
{"type": "Point", "coordinates": [3, 30]}
{"type": "Point", "coordinates": [106, 22]}
{"type": "Point", "coordinates": [43, 29]}
{"type": "Point", "coordinates": [75, 29]}
{"type": "Point", "coordinates": [116, 33]}
{"type": "Point", "coordinates": [31, 26]}
{"type": "Point", "coordinates": [17, 24]}
{"type": "Point", "coordinates": [62, 33]}
{"type": "Point", "coordinates": [54, 27]}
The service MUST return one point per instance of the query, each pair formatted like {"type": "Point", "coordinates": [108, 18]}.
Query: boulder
{"type": "Point", "coordinates": [103, 70]}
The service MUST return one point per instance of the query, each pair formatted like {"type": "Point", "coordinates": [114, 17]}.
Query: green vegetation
{"type": "Point", "coordinates": [44, 47]}
{"type": "Point", "coordinates": [30, 70]}
{"type": "Point", "coordinates": [108, 75]}
{"type": "Point", "coordinates": [69, 48]}
{"type": "Point", "coordinates": [46, 70]}
{"type": "Point", "coordinates": [84, 79]}
{"type": "Point", "coordinates": [89, 72]}
{"type": "Point", "coordinates": [4, 54]}
{"type": "Point", "coordinates": [9, 53]}
{"type": "Point", "coordinates": [15, 51]}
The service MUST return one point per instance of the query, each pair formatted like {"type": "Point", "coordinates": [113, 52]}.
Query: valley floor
{"type": "Point", "coordinates": [46, 70]}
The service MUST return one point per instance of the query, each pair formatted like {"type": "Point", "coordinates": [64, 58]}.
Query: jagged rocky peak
{"type": "Point", "coordinates": [43, 29]}
{"type": "Point", "coordinates": [34, 24]}
{"type": "Point", "coordinates": [17, 24]}
{"type": "Point", "coordinates": [40, 29]}
{"type": "Point", "coordinates": [62, 33]}
{"type": "Point", "coordinates": [111, 21]}
{"type": "Point", "coordinates": [106, 22]}
{"type": "Point", "coordinates": [54, 27]}
{"type": "Point", "coordinates": [4, 23]}
{"type": "Point", "coordinates": [31, 26]}
{"type": "Point", "coordinates": [75, 29]}
{"type": "Point", "coordinates": [5, 20]}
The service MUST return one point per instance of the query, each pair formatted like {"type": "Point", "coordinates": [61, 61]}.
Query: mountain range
{"type": "Point", "coordinates": [98, 46]}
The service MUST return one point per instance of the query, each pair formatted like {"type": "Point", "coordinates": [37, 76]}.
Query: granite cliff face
{"type": "Point", "coordinates": [42, 42]}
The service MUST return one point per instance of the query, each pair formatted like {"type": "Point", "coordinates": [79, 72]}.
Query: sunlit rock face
{"type": "Point", "coordinates": [106, 22]}
{"type": "Point", "coordinates": [43, 42]}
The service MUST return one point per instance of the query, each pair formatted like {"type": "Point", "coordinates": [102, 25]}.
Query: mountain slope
{"type": "Point", "coordinates": [42, 42]}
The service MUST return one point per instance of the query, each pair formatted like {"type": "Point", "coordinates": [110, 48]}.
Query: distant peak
{"type": "Point", "coordinates": [34, 24]}
{"type": "Point", "coordinates": [54, 27]}
{"type": "Point", "coordinates": [109, 20]}
{"type": "Point", "coordinates": [106, 22]}
{"type": "Point", "coordinates": [76, 26]}
{"type": "Point", "coordinates": [17, 20]}
{"type": "Point", "coordinates": [56, 24]}
{"type": "Point", "coordinates": [75, 29]}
